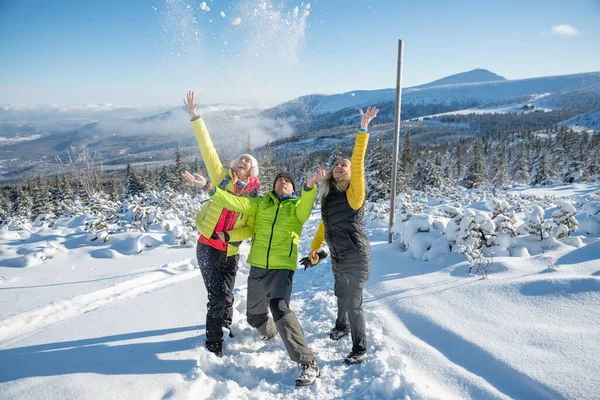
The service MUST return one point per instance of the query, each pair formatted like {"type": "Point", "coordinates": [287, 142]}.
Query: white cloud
{"type": "Point", "coordinates": [565, 30]}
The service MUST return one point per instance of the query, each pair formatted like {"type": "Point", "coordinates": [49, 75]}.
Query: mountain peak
{"type": "Point", "coordinates": [477, 75]}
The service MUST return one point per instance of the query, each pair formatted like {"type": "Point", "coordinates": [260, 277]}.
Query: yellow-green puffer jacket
{"type": "Point", "coordinates": [278, 225]}
{"type": "Point", "coordinates": [208, 216]}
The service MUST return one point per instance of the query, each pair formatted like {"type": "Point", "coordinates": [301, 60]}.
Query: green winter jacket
{"type": "Point", "coordinates": [278, 225]}
{"type": "Point", "coordinates": [208, 216]}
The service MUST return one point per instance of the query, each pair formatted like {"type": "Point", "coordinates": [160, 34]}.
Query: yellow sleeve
{"type": "Point", "coordinates": [356, 191]}
{"type": "Point", "coordinates": [319, 239]}
{"type": "Point", "coordinates": [215, 169]}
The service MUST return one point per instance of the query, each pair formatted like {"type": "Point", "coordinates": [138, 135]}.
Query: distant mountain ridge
{"type": "Point", "coordinates": [580, 92]}
{"type": "Point", "coordinates": [477, 75]}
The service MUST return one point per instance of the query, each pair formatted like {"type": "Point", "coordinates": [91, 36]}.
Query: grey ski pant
{"type": "Point", "coordinates": [272, 289]}
{"type": "Point", "coordinates": [348, 289]}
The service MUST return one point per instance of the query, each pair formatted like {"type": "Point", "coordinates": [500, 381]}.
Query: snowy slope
{"type": "Point", "coordinates": [584, 122]}
{"type": "Point", "coordinates": [125, 319]}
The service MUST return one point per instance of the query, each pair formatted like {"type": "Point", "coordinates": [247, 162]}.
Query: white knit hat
{"type": "Point", "coordinates": [253, 169]}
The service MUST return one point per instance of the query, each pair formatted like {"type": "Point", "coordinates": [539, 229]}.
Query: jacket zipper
{"type": "Point", "coordinates": [272, 231]}
{"type": "Point", "coordinates": [291, 247]}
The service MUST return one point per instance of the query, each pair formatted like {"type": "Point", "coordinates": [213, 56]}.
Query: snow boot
{"type": "Point", "coordinates": [355, 357]}
{"type": "Point", "coordinates": [214, 347]}
{"type": "Point", "coordinates": [337, 334]}
{"type": "Point", "coordinates": [308, 373]}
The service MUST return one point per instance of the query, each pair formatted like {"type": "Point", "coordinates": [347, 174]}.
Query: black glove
{"type": "Point", "coordinates": [307, 263]}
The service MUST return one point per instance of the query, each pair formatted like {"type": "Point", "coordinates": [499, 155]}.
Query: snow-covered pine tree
{"type": "Point", "coordinates": [475, 175]}
{"type": "Point", "coordinates": [21, 202]}
{"type": "Point", "coordinates": [163, 179]}
{"type": "Point", "coordinates": [40, 197]}
{"type": "Point", "coordinates": [460, 158]}
{"type": "Point", "coordinates": [248, 149]}
{"type": "Point", "coordinates": [558, 151]}
{"type": "Point", "coordinates": [499, 169]}
{"type": "Point", "coordinates": [504, 219]}
{"type": "Point", "coordinates": [177, 169]}
{"type": "Point", "coordinates": [62, 196]}
{"type": "Point", "coordinates": [520, 172]}
{"type": "Point", "coordinates": [111, 188]}
{"type": "Point", "coordinates": [448, 171]}
{"type": "Point", "coordinates": [540, 174]}
{"type": "Point", "coordinates": [564, 218]}
{"type": "Point", "coordinates": [195, 169]}
{"type": "Point", "coordinates": [3, 213]}
{"type": "Point", "coordinates": [133, 184]}
{"type": "Point", "coordinates": [57, 197]}
{"type": "Point", "coordinates": [268, 169]}
{"type": "Point", "coordinates": [426, 175]}
{"type": "Point", "coordinates": [377, 173]}
{"type": "Point", "coordinates": [592, 166]}
{"type": "Point", "coordinates": [407, 162]}
{"type": "Point", "coordinates": [147, 177]}
{"type": "Point", "coordinates": [477, 231]}
{"type": "Point", "coordinates": [572, 172]}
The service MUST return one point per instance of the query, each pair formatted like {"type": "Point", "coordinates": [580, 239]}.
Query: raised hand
{"type": "Point", "coordinates": [190, 105]}
{"type": "Point", "coordinates": [319, 174]}
{"type": "Point", "coordinates": [196, 179]}
{"type": "Point", "coordinates": [365, 118]}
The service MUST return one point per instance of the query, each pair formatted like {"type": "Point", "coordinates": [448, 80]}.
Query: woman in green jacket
{"type": "Point", "coordinates": [273, 257]}
{"type": "Point", "coordinates": [221, 230]}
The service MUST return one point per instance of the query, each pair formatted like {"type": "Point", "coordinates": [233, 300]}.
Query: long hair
{"type": "Point", "coordinates": [340, 184]}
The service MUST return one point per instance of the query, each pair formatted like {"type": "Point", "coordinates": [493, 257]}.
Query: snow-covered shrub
{"type": "Point", "coordinates": [101, 236]}
{"type": "Point", "coordinates": [420, 233]}
{"type": "Point", "coordinates": [455, 213]}
{"type": "Point", "coordinates": [589, 222]}
{"type": "Point", "coordinates": [504, 219]}
{"type": "Point", "coordinates": [497, 206]}
{"type": "Point", "coordinates": [378, 210]}
{"type": "Point", "coordinates": [564, 218]}
{"type": "Point", "coordinates": [535, 224]}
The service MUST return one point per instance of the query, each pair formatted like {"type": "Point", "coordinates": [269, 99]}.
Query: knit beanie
{"type": "Point", "coordinates": [285, 175]}
{"type": "Point", "coordinates": [253, 169]}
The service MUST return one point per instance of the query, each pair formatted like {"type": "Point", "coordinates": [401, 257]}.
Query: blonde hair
{"type": "Point", "coordinates": [340, 184]}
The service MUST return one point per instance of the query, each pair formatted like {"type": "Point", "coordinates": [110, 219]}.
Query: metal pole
{"type": "Point", "coordinates": [396, 140]}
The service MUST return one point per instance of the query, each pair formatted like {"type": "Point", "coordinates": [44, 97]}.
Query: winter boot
{"type": "Point", "coordinates": [214, 347]}
{"type": "Point", "coordinates": [355, 357]}
{"type": "Point", "coordinates": [308, 373]}
{"type": "Point", "coordinates": [337, 334]}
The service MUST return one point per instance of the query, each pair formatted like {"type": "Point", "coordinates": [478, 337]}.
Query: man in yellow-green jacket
{"type": "Point", "coordinates": [221, 230]}
{"type": "Point", "coordinates": [273, 258]}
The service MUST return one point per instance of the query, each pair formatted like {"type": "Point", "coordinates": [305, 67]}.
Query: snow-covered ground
{"type": "Point", "coordinates": [124, 318]}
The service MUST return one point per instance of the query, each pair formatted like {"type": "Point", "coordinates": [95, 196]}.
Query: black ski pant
{"type": "Point", "coordinates": [218, 272]}
{"type": "Point", "coordinates": [348, 289]}
{"type": "Point", "coordinates": [272, 289]}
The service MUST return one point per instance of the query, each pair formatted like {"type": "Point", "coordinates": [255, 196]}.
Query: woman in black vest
{"type": "Point", "coordinates": [343, 227]}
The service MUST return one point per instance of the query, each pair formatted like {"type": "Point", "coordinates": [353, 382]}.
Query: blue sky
{"type": "Point", "coordinates": [138, 52]}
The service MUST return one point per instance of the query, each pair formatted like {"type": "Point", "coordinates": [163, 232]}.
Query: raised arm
{"type": "Point", "coordinates": [207, 148]}
{"type": "Point", "coordinates": [356, 192]}
{"type": "Point", "coordinates": [307, 198]}
{"type": "Point", "coordinates": [246, 205]}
